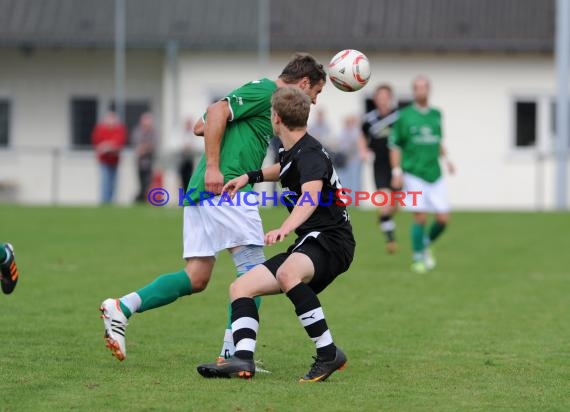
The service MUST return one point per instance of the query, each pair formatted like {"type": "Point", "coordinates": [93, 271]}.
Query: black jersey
{"type": "Point", "coordinates": [377, 130]}
{"type": "Point", "coordinates": [307, 161]}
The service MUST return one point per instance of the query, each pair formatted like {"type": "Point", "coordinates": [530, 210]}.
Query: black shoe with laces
{"type": "Point", "coordinates": [8, 271]}
{"type": "Point", "coordinates": [321, 370]}
{"type": "Point", "coordinates": [232, 367]}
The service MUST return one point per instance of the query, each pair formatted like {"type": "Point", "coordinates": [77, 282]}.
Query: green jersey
{"type": "Point", "coordinates": [246, 138]}
{"type": "Point", "coordinates": [418, 134]}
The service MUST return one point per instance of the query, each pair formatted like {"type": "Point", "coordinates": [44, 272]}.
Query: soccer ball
{"type": "Point", "coordinates": [349, 70]}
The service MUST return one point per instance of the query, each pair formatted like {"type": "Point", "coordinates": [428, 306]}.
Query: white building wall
{"type": "Point", "coordinates": [475, 93]}
{"type": "Point", "coordinates": [40, 86]}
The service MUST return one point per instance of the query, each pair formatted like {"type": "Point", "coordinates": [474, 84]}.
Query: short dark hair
{"type": "Point", "coordinates": [303, 65]}
{"type": "Point", "coordinates": [292, 105]}
{"type": "Point", "coordinates": [384, 86]}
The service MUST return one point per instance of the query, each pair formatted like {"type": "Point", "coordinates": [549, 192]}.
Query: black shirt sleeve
{"type": "Point", "coordinates": [312, 166]}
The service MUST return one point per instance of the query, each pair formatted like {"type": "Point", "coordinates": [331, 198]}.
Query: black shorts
{"type": "Point", "coordinates": [331, 256]}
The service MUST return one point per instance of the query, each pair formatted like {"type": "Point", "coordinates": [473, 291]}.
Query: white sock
{"type": "Point", "coordinates": [132, 301]}
{"type": "Point", "coordinates": [228, 348]}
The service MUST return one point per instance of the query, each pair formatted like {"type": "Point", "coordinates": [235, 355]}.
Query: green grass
{"type": "Point", "coordinates": [488, 330]}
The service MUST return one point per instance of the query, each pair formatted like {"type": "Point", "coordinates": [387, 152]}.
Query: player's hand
{"type": "Point", "coordinates": [234, 185]}
{"type": "Point", "coordinates": [397, 182]}
{"type": "Point", "coordinates": [213, 180]}
{"type": "Point", "coordinates": [451, 168]}
{"type": "Point", "coordinates": [274, 236]}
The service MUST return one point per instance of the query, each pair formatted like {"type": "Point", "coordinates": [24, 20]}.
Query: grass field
{"type": "Point", "coordinates": [488, 330]}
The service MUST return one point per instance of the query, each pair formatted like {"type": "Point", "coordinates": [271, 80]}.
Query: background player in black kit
{"type": "Point", "coordinates": [376, 128]}
{"type": "Point", "coordinates": [324, 247]}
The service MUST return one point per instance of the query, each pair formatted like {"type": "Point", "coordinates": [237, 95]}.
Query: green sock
{"type": "Point", "coordinates": [435, 230]}
{"type": "Point", "coordinates": [125, 309]}
{"type": "Point", "coordinates": [256, 299]}
{"type": "Point", "coordinates": [163, 290]}
{"type": "Point", "coordinates": [3, 253]}
{"type": "Point", "coordinates": [417, 240]}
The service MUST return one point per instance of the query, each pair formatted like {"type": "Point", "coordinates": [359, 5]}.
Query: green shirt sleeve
{"type": "Point", "coordinates": [251, 99]}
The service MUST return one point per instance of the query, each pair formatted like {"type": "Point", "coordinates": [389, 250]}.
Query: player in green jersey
{"type": "Point", "coordinates": [236, 131]}
{"type": "Point", "coordinates": [415, 150]}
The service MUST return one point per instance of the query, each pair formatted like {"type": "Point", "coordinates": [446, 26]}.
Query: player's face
{"type": "Point", "coordinates": [421, 90]}
{"type": "Point", "coordinates": [383, 100]}
{"type": "Point", "coordinates": [313, 91]}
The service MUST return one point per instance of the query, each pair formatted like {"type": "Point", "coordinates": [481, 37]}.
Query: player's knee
{"type": "Point", "coordinates": [420, 218]}
{"type": "Point", "coordinates": [286, 278]}
{"type": "Point", "coordinates": [199, 283]}
{"type": "Point", "coordinates": [442, 219]}
{"type": "Point", "coordinates": [237, 290]}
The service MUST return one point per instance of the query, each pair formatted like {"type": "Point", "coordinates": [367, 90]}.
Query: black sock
{"type": "Point", "coordinates": [310, 314]}
{"type": "Point", "coordinates": [388, 226]}
{"type": "Point", "coordinates": [245, 323]}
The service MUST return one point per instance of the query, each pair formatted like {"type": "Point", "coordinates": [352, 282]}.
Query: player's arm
{"type": "Point", "coordinates": [199, 127]}
{"type": "Point", "coordinates": [395, 145]}
{"type": "Point", "coordinates": [267, 174]}
{"type": "Point", "coordinates": [218, 115]}
{"type": "Point", "coordinates": [396, 164]}
{"type": "Point", "coordinates": [443, 154]}
{"type": "Point", "coordinates": [363, 147]}
{"type": "Point", "coordinates": [304, 208]}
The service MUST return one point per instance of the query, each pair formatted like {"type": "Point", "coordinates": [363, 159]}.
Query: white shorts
{"type": "Point", "coordinates": [210, 229]}
{"type": "Point", "coordinates": [433, 197]}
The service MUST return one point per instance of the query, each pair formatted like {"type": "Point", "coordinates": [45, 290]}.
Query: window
{"type": "Point", "coordinates": [133, 111]}
{"type": "Point", "coordinates": [525, 123]}
{"type": "Point", "coordinates": [83, 121]}
{"type": "Point", "coordinates": [4, 123]}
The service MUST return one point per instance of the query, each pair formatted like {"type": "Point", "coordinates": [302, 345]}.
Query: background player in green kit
{"type": "Point", "coordinates": [415, 149]}
{"type": "Point", "coordinates": [236, 131]}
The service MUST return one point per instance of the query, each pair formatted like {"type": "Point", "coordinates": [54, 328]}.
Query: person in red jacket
{"type": "Point", "coordinates": [108, 138]}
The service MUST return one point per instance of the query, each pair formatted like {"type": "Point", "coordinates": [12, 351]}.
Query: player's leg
{"type": "Point", "coordinates": [439, 203]}
{"type": "Point", "coordinates": [166, 288]}
{"type": "Point", "coordinates": [162, 291]}
{"type": "Point", "coordinates": [383, 177]}
{"type": "Point", "coordinates": [245, 324]}
{"type": "Point", "coordinates": [8, 270]}
{"type": "Point", "coordinates": [301, 277]}
{"type": "Point", "coordinates": [387, 223]}
{"type": "Point", "coordinates": [418, 246]}
{"type": "Point", "coordinates": [438, 226]}
{"type": "Point", "coordinates": [238, 229]}
{"type": "Point", "coordinates": [245, 258]}
{"type": "Point", "coordinates": [417, 230]}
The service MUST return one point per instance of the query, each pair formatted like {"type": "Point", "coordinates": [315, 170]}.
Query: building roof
{"type": "Point", "coordinates": [415, 25]}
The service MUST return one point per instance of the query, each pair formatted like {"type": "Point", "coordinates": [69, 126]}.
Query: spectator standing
{"type": "Point", "coordinates": [109, 138]}
{"type": "Point", "coordinates": [145, 140]}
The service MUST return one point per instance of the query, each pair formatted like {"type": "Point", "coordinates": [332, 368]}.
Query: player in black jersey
{"type": "Point", "coordinates": [324, 247]}
{"type": "Point", "coordinates": [376, 128]}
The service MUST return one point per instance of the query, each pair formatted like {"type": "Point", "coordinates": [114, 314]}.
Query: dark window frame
{"type": "Point", "coordinates": [84, 142]}
{"type": "Point", "coordinates": [525, 123]}
{"type": "Point", "coordinates": [7, 104]}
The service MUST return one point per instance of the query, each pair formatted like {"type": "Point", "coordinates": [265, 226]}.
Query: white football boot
{"type": "Point", "coordinates": [115, 326]}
